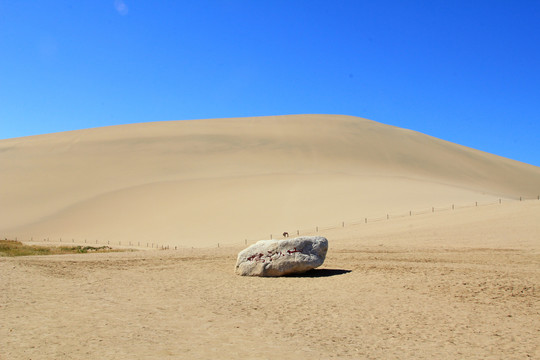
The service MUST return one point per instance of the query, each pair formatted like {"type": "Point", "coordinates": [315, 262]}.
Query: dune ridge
{"type": "Point", "coordinates": [193, 182]}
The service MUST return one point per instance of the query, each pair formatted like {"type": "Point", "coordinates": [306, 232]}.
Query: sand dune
{"type": "Point", "coordinates": [453, 283]}
{"type": "Point", "coordinates": [194, 183]}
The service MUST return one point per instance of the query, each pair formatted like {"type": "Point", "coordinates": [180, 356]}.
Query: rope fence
{"type": "Point", "coordinates": [410, 213]}
{"type": "Point", "coordinates": [306, 231]}
{"type": "Point", "coordinates": [76, 242]}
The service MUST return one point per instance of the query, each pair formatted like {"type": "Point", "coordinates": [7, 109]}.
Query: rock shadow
{"type": "Point", "coordinates": [316, 273]}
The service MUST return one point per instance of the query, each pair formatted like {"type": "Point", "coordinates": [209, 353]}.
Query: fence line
{"type": "Point", "coordinates": [390, 216]}
{"type": "Point", "coordinates": [62, 241]}
{"type": "Point", "coordinates": [315, 229]}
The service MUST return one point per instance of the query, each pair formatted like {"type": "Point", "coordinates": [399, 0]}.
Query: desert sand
{"type": "Point", "coordinates": [447, 264]}
{"type": "Point", "coordinates": [200, 182]}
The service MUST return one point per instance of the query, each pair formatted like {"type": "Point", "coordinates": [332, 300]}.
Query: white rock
{"type": "Point", "coordinates": [282, 257]}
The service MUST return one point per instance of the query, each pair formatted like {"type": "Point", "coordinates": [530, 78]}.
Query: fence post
{"type": "Point", "coordinates": [520, 198]}
{"type": "Point", "coordinates": [270, 236]}
{"type": "Point", "coordinates": [432, 209]}
{"type": "Point", "coordinates": [476, 203]}
{"type": "Point", "coordinates": [343, 224]}
{"type": "Point", "coordinates": [387, 216]}
{"type": "Point", "coordinates": [452, 206]}
{"type": "Point", "coordinates": [316, 228]}
{"type": "Point", "coordinates": [245, 241]}
{"type": "Point", "coordinates": [365, 220]}
{"type": "Point", "coordinates": [499, 201]}
{"type": "Point", "coordinates": [297, 232]}
{"type": "Point", "coordinates": [410, 212]}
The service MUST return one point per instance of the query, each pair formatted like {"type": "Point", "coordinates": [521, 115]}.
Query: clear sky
{"type": "Point", "coordinates": [463, 71]}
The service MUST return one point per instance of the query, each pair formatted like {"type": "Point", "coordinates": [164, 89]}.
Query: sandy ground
{"type": "Point", "coordinates": [454, 284]}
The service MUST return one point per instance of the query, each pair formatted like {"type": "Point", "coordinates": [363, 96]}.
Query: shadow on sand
{"type": "Point", "coordinates": [315, 273]}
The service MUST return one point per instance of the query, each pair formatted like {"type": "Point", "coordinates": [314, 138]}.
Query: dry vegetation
{"type": "Point", "coordinates": [16, 248]}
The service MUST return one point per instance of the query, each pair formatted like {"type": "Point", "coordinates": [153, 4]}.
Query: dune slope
{"type": "Point", "coordinates": [196, 183]}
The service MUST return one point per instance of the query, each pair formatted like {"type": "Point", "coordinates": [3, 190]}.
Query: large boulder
{"type": "Point", "coordinates": [282, 257]}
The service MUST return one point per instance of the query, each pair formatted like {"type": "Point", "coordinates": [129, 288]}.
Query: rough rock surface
{"type": "Point", "coordinates": [282, 257]}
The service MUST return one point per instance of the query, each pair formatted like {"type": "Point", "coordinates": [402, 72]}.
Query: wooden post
{"type": "Point", "coordinates": [316, 228]}
{"type": "Point", "coordinates": [270, 236]}
{"type": "Point", "coordinates": [520, 198]}
{"type": "Point", "coordinates": [476, 203]}
{"type": "Point", "coordinates": [246, 241]}
{"type": "Point", "coordinates": [297, 232]}
{"type": "Point", "coordinates": [343, 224]}
{"type": "Point", "coordinates": [452, 206]}
{"type": "Point", "coordinates": [410, 213]}
{"type": "Point", "coordinates": [365, 220]}
{"type": "Point", "coordinates": [387, 216]}
{"type": "Point", "coordinates": [432, 209]}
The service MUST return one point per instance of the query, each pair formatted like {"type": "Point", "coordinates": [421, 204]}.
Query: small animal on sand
{"type": "Point", "coordinates": [285, 234]}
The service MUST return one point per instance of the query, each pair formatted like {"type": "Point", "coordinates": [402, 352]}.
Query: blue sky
{"type": "Point", "coordinates": [464, 71]}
